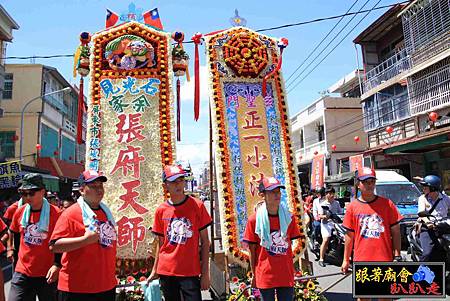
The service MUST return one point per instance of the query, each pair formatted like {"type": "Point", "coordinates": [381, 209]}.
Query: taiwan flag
{"type": "Point", "coordinates": [111, 18]}
{"type": "Point", "coordinates": [152, 18]}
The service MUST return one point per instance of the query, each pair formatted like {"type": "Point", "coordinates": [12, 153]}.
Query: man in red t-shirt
{"type": "Point", "coordinates": [11, 240]}
{"type": "Point", "coordinates": [37, 268]}
{"type": "Point", "coordinates": [372, 223]}
{"type": "Point", "coordinates": [181, 223]}
{"type": "Point", "coordinates": [86, 234]}
{"type": "Point", "coordinates": [271, 259]}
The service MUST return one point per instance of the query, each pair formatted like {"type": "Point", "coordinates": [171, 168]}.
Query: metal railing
{"type": "Point", "coordinates": [393, 66]}
{"type": "Point", "coordinates": [56, 103]}
{"type": "Point", "coordinates": [307, 152]}
{"type": "Point", "coordinates": [386, 110]}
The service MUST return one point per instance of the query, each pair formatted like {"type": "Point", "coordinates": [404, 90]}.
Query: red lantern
{"type": "Point", "coordinates": [315, 153]}
{"type": "Point", "coordinates": [389, 130]}
{"type": "Point", "coordinates": [14, 138]}
{"type": "Point", "coordinates": [333, 147]}
{"type": "Point", "coordinates": [70, 158]}
{"type": "Point", "coordinates": [38, 147]}
{"type": "Point", "coordinates": [56, 153]}
{"type": "Point", "coordinates": [356, 138]}
{"type": "Point", "coordinates": [433, 116]}
{"type": "Point", "coordinates": [82, 162]}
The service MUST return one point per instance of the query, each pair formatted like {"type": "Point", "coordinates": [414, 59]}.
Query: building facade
{"type": "Point", "coordinates": [406, 89]}
{"type": "Point", "coordinates": [328, 127]}
{"type": "Point", "coordinates": [49, 123]}
{"type": "Point", "coordinates": [7, 25]}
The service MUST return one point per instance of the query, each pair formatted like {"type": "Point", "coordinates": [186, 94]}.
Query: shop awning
{"type": "Point", "coordinates": [60, 168]}
{"type": "Point", "coordinates": [421, 145]}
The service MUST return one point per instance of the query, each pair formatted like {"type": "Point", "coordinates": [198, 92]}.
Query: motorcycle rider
{"type": "Point", "coordinates": [434, 203]}
{"type": "Point", "coordinates": [326, 225]}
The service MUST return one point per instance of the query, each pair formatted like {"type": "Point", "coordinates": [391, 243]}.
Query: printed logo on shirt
{"type": "Point", "coordinates": [371, 226]}
{"type": "Point", "coordinates": [107, 234]}
{"type": "Point", "coordinates": [179, 230]}
{"type": "Point", "coordinates": [32, 236]}
{"type": "Point", "coordinates": [278, 244]}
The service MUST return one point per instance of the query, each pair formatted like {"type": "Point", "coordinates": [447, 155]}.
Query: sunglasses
{"type": "Point", "coordinates": [29, 193]}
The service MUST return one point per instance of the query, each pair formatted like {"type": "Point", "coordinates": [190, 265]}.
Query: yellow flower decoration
{"type": "Point", "coordinates": [311, 285]}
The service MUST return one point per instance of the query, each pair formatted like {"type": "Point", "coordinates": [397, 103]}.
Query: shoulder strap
{"type": "Point", "coordinates": [434, 205]}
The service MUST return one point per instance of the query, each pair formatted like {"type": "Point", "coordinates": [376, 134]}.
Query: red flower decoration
{"type": "Point", "coordinates": [235, 279]}
{"type": "Point", "coordinates": [130, 279]}
{"type": "Point", "coordinates": [142, 278]}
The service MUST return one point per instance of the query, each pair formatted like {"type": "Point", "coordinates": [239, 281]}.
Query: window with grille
{"type": "Point", "coordinates": [426, 25]}
{"type": "Point", "coordinates": [8, 86]}
{"type": "Point", "coordinates": [8, 143]}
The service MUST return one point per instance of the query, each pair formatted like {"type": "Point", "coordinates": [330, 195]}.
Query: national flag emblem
{"type": "Point", "coordinates": [111, 18]}
{"type": "Point", "coordinates": [152, 18]}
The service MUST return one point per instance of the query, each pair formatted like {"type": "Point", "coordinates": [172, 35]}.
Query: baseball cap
{"type": "Point", "coordinates": [269, 183]}
{"type": "Point", "coordinates": [365, 173]}
{"type": "Point", "coordinates": [172, 172]}
{"type": "Point", "coordinates": [32, 181]}
{"type": "Point", "coordinates": [89, 176]}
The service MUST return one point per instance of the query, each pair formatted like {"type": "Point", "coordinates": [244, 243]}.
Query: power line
{"type": "Point", "coordinates": [315, 67]}
{"type": "Point", "coordinates": [320, 43]}
{"type": "Point", "coordinates": [325, 48]}
{"type": "Point", "coordinates": [189, 42]}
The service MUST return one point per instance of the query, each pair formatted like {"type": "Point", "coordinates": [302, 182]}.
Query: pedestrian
{"type": "Point", "coordinates": [4, 234]}
{"type": "Point", "coordinates": [14, 239]}
{"type": "Point", "coordinates": [86, 235]}
{"type": "Point", "coordinates": [372, 223]}
{"type": "Point", "coordinates": [66, 203]}
{"type": "Point", "coordinates": [37, 267]}
{"type": "Point", "coordinates": [180, 223]}
{"type": "Point", "coordinates": [319, 198]}
{"type": "Point", "coordinates": [431, 202]}
{"type": "Point", "coordinates": [268, 233]}
{"type": "Point", "coordinates": [327, 225]}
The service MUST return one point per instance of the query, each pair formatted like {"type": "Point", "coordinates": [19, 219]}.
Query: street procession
{"type": "Point", "coordinates": [198, 150]}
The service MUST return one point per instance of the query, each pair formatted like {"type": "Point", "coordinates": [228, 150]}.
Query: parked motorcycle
{"type": "Point", "coordinates": [442, 231]}
{"type": "Point", "coordinates": [335, 252]}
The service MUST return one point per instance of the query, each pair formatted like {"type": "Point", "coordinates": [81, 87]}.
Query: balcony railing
{"type": "Point", "coordinates": [385, 110]}
{"type": "Point", "coordinates": [56, 103]}
{"type": "Point", "coordinates": [307, 153]}
{"type": "Point", "coordinates": [431, 49]}
{"type": "Point", "coordinates": [393, 66]}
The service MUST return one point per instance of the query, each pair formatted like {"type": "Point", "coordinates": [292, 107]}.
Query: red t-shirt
{"type": "Point", "coordinates": [371, 223]}
{"type": "Point", "coordinates": [3, 227]}
{"type": "Point", "coordinates": [180, 225]}
{"type": "Point", "coordinates": [274, 267]}
{"type": "Point", "coordinates": [35, 257]}
{"type": "Point", "coordinates": [9, 213]}
{"type": "Point", "coordinates": [90, 269]}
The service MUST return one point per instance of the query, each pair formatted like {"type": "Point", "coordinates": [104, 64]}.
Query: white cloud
{"type": "Point", "coordinates": [187, 88]}
{"type": "Point", "coordinates": [194, 153]}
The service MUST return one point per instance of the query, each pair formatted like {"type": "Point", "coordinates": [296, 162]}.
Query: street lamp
{"type": "Point", "coordinates": [66, 89]}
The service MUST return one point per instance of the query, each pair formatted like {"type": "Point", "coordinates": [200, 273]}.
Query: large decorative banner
{"type": "Point", "coordinates": [130, 127]}
{"type": "Point", "coordinates": [10, 174]}
{"type": "Point", "coordinates": [251, 131]}
{"type": "Point", "coordinates": [317, 171]}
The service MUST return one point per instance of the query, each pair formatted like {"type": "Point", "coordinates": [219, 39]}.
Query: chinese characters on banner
{"type": "Point", "coordinates": [317, 171]}
{"type": "Point", "coordinates": [251, 131]}
{"type": "Point", "coordinates": [10, 174]}
{"type": "Point", "coordinates": [129, 106]}
{"type": "Point", "coordinates": [398, 279]}
{"type": "Point", "coordinates": [356, 162]}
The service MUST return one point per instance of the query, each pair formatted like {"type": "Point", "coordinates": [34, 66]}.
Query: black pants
{"type": "Point", "coordinates": [102, 296]}
{"type": "Point", "coordinates": [432, 250]}
{"type": "Point", "coordinates": [24, 288]}
{"type": "Point", "coordinates": [173, 287]}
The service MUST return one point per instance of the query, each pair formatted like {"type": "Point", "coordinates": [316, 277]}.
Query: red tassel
{"type": "Point", "coordinates": [197, 38]}
{"type": "Point", "coordinates": [178, 111]}
{"type": "Point", "coordinates": [80, 112]}
{"type": "Point", "coordinates": [283, 42]}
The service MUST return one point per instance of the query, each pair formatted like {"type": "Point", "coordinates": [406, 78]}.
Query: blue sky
{"type": "Point", "coordinates": [52, 27]}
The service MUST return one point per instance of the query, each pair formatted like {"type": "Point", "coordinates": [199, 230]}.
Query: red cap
{"type": "Point", "coordinates": [172, 172]}
{"type": "Point", "coordinates": [269, 183]}
{"type": "Point", "coordinates": [365, 173]}
{"type": "Point", "coordinates": [90, 175]}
